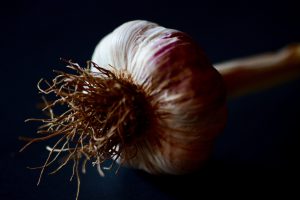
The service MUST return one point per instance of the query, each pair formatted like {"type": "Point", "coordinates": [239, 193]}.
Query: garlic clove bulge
{"type": "Point", "coordinates": [186, 95]}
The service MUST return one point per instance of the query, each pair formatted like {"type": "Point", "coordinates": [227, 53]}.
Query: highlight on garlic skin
{"type": "Point", "coordinates": [149, 99]}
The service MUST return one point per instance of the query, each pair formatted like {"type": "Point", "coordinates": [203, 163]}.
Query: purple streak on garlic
{"type": "Point", "coordinates": [186, 93]}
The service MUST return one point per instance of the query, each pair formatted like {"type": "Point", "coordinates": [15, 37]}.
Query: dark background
{"type": "Point", "coordinates": [257, 153]}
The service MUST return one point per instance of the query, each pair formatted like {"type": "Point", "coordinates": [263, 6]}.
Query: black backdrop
{"type": "Point", "coordinates": [256, 154]}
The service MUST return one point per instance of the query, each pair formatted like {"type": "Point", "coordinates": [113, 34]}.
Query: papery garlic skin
{"type": "Point", "coordinates": [155, 56]}
{"type": "Point", "coordinates": [132, 47]}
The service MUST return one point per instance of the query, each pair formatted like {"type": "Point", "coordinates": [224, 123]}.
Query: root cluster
{"type": "Point", "coordinates": [100, 121]}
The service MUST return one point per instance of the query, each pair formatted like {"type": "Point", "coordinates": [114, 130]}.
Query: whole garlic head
{"type": "Point", "coordinates": [186, 95]}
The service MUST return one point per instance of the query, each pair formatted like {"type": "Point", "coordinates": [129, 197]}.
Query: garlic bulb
{"type": "Point", "coordinates": [149, 99]}
{"type": "Point", "coordinates": [185, 93]}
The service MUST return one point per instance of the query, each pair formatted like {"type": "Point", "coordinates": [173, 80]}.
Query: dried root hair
{"type": "Point", "coordinates": [104, 117]}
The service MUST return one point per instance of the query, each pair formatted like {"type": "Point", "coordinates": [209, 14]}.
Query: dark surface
{"type": "Point", "coordinates": [256, 155]}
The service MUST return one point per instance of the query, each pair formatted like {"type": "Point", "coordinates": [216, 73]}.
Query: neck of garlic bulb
{"type": "Point", "coordinates": [247, 75]}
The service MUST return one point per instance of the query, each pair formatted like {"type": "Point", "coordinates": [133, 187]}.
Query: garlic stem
{"type": "Point", "coordinates": [250, 74]}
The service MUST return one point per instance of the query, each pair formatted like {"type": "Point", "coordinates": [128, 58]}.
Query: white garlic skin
{"type": "Point", "coordinates": [196, 105]}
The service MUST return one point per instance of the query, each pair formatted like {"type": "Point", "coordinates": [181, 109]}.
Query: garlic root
{"type": "Point", "coordinates": [249, 74]}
